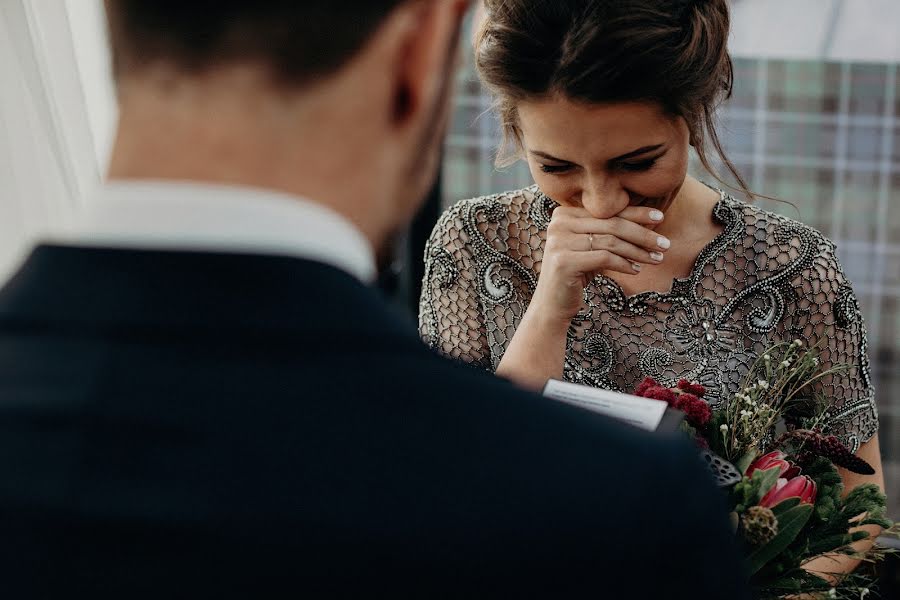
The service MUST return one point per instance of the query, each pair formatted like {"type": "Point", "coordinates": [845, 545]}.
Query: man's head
{"type": "Point", "coordinates": [341, 102]}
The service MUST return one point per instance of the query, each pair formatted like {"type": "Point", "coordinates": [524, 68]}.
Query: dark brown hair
{"type": "Point", "coordinates": [298, 40]}
{"type": "Point", "coordinates": [673, 52]}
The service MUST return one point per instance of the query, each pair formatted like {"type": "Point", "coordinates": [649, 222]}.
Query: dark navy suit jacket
{"type": "Point", "coordinates": [179, 424]}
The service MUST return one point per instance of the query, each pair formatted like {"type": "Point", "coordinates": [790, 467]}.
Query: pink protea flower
{"type": "Point", "coordinates": [799, 487]}
{"type": "Point", "coordinates": [774, 459]}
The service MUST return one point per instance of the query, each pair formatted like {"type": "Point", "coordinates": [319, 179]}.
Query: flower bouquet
{"type": "Point", "coordinates": [768, 451]}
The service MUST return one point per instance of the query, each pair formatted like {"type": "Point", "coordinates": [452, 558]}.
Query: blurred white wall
{"type": "Point", "coordinates": [830, 30]}
{"type": "Point", "coordinates": [56, 117]}
{"type": "Point", "coordinates": [88, 24]}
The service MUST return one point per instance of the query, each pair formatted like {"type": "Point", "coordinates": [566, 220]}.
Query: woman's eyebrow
{"type": "Point", "coordinates": [638, 152]}
{"type": "Point", "coordinates": [632, 154]}
{"type": "Point", "coordinates": [544, 155]}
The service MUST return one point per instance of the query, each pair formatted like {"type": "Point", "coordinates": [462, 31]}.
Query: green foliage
{"type": "Point", "coordinates": [828, 528]}
{"type": "Point", "coordinates": [790, 524]}
{"type": "Point", "coordinates": [714, 434]}
{"type": "Point", "coordinates": [785, 505]}
{"type": "Point", "coordinates": [749, 491]}
{"type": "Point", "coordinates": [783, 385]}
{"type": "Point", "coordinates": [868, 499]}
{"type": "Point", "coordinates": [776, 568]}
{"type": "Point", "coordinates": [744, 462]}
{"type": "Point", "coordinates": [793, 582]}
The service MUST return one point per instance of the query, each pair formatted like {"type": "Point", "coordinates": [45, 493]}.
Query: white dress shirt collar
{"type": "Point", "coordinates": [169, 215]}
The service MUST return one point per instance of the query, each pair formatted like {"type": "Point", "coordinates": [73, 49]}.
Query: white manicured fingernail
{"type": "Point", "coordinates": [636, 267]}
{"type": "Point", "coordinates": [656, 215]}
{"type": "Point", "coordinates": [657, 256]}
{"type": "Point", "coordinates": [663, 243]}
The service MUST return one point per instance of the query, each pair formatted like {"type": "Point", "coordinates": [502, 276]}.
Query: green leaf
{"type": "Point", "coordinates": [828, 543]}
{"type": "Point", "coordinates": [750, 491]}
{"type": "Point", "coordinates": [744, 462]}
{"type": "Point", "coordinates": [798, 581]}
{"type": "Point", "coordinates": [790, 524]}
{"type": "Point", "coordinates": [785, 505]}
{"type": "Point", "coordinates": [881, 522]}
{"type": "Point", "coordinates": [765, 480]}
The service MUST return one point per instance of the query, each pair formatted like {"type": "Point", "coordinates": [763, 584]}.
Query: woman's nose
{"type": "Point", "coordinates": [604, 198]}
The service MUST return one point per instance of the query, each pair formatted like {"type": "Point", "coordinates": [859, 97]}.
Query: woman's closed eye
{"type": "Point", "coordinates": [628, 167]}
{"type": "Point", "coordinates": [555, 168]}
{"type": "Point", "coordinates": [639, 166]}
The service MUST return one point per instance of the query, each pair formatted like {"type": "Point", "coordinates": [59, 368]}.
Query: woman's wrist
{"type": "Point", "coordinates": [547, 314]}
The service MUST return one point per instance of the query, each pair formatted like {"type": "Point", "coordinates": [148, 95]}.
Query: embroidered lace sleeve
{"type": "Point", "coordinates": [481, 270]}
{"type": "Point", "coordinates": [450, 318]}
{"type": "Point", "coordinates": [828, 315]}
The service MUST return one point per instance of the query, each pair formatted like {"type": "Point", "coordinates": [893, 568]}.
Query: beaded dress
{"type": "Point", "coordinates": [764, 279]}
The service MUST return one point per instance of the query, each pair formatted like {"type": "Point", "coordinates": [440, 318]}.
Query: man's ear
{"type": "Point", "coordinates": [429, 31]}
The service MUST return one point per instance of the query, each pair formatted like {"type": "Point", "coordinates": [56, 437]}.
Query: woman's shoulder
{"type": "Point", "coordinates": [493, 216]}
{"type": "Point", "coordinates": [787, 242]}
{"type": "Point", "coordinates": [516, 203]}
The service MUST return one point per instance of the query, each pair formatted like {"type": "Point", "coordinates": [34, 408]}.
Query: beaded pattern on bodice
{"type": "Point", "coordinates": [764, 279]}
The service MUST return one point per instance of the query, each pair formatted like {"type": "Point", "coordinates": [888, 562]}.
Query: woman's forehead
{"type": "Point", "coordinates": [610, 128]}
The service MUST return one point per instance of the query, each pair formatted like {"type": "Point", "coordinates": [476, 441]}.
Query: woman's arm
{"type": "Point", "coordinates": [537, 351]}
{"type": "Point", "coordinates": [832, 566]}
{"type": "Point", "coordinates": [840, 335]}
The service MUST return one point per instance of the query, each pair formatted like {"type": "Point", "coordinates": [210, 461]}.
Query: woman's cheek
{"type": "Point", "coordinates": [657, 183]}
{"type": "Point", "coordinates": [557, 188]}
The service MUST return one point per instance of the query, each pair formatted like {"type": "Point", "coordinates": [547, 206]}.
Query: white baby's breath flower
{"type": "Point", "coordinates": [763, 384]}
{"type": "Point", "coordinates": [832, 593]}
{"type": "Point", "coordinates": [766, 357]}
{"type": "Point", "coordinates": [786, 364]}
{"type": "Point", "coordinates": [798, 343]}
{"type": "Point", "coordinates": [723, 427]}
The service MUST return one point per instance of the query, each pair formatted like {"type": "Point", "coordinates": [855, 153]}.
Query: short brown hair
{"type": "Point", "coordinates": [298, 40]}
{"type": "Point", "coordinates": [673, 52]}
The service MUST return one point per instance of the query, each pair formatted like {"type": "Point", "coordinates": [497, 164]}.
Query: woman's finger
{"type": "Point", "coordinates": [636, 214]}
{"type": "Point", "coordinates": [590, 242]}
{"type": "Point", "coordinates": [642, 215]}
{"type": "Point", "coordinates": [601, 260]}
{"type": "Point", "coordinates": [621, 228]}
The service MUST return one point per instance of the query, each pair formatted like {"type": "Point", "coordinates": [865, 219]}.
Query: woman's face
{"type": "Point", "coordinates": [605, 157]}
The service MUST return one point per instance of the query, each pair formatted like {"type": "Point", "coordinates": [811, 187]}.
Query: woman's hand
{"type": "Point", "coordinates": [579, 247]}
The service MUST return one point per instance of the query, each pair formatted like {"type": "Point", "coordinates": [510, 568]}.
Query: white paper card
{"type": "Point", "coordinates": [634, 410]}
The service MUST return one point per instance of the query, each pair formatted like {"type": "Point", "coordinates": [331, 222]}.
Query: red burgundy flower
{"type": "Point", "coordinates": [660, 393]}
{"type": "Point", "coordinates": [799, 487]}
{"type": "Point", "coordinates": [691, 388]}
{"type": "Point", "coordinates": [645, 385]}
{"type": "Point", "coordinates": [697, 411]}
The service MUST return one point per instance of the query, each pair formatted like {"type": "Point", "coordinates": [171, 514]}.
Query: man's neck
{"type": "Point", "coordinates": [230, 132]}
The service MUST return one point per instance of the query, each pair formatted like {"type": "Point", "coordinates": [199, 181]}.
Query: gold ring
{"type": "Point", "coordinates": [591, 241]}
